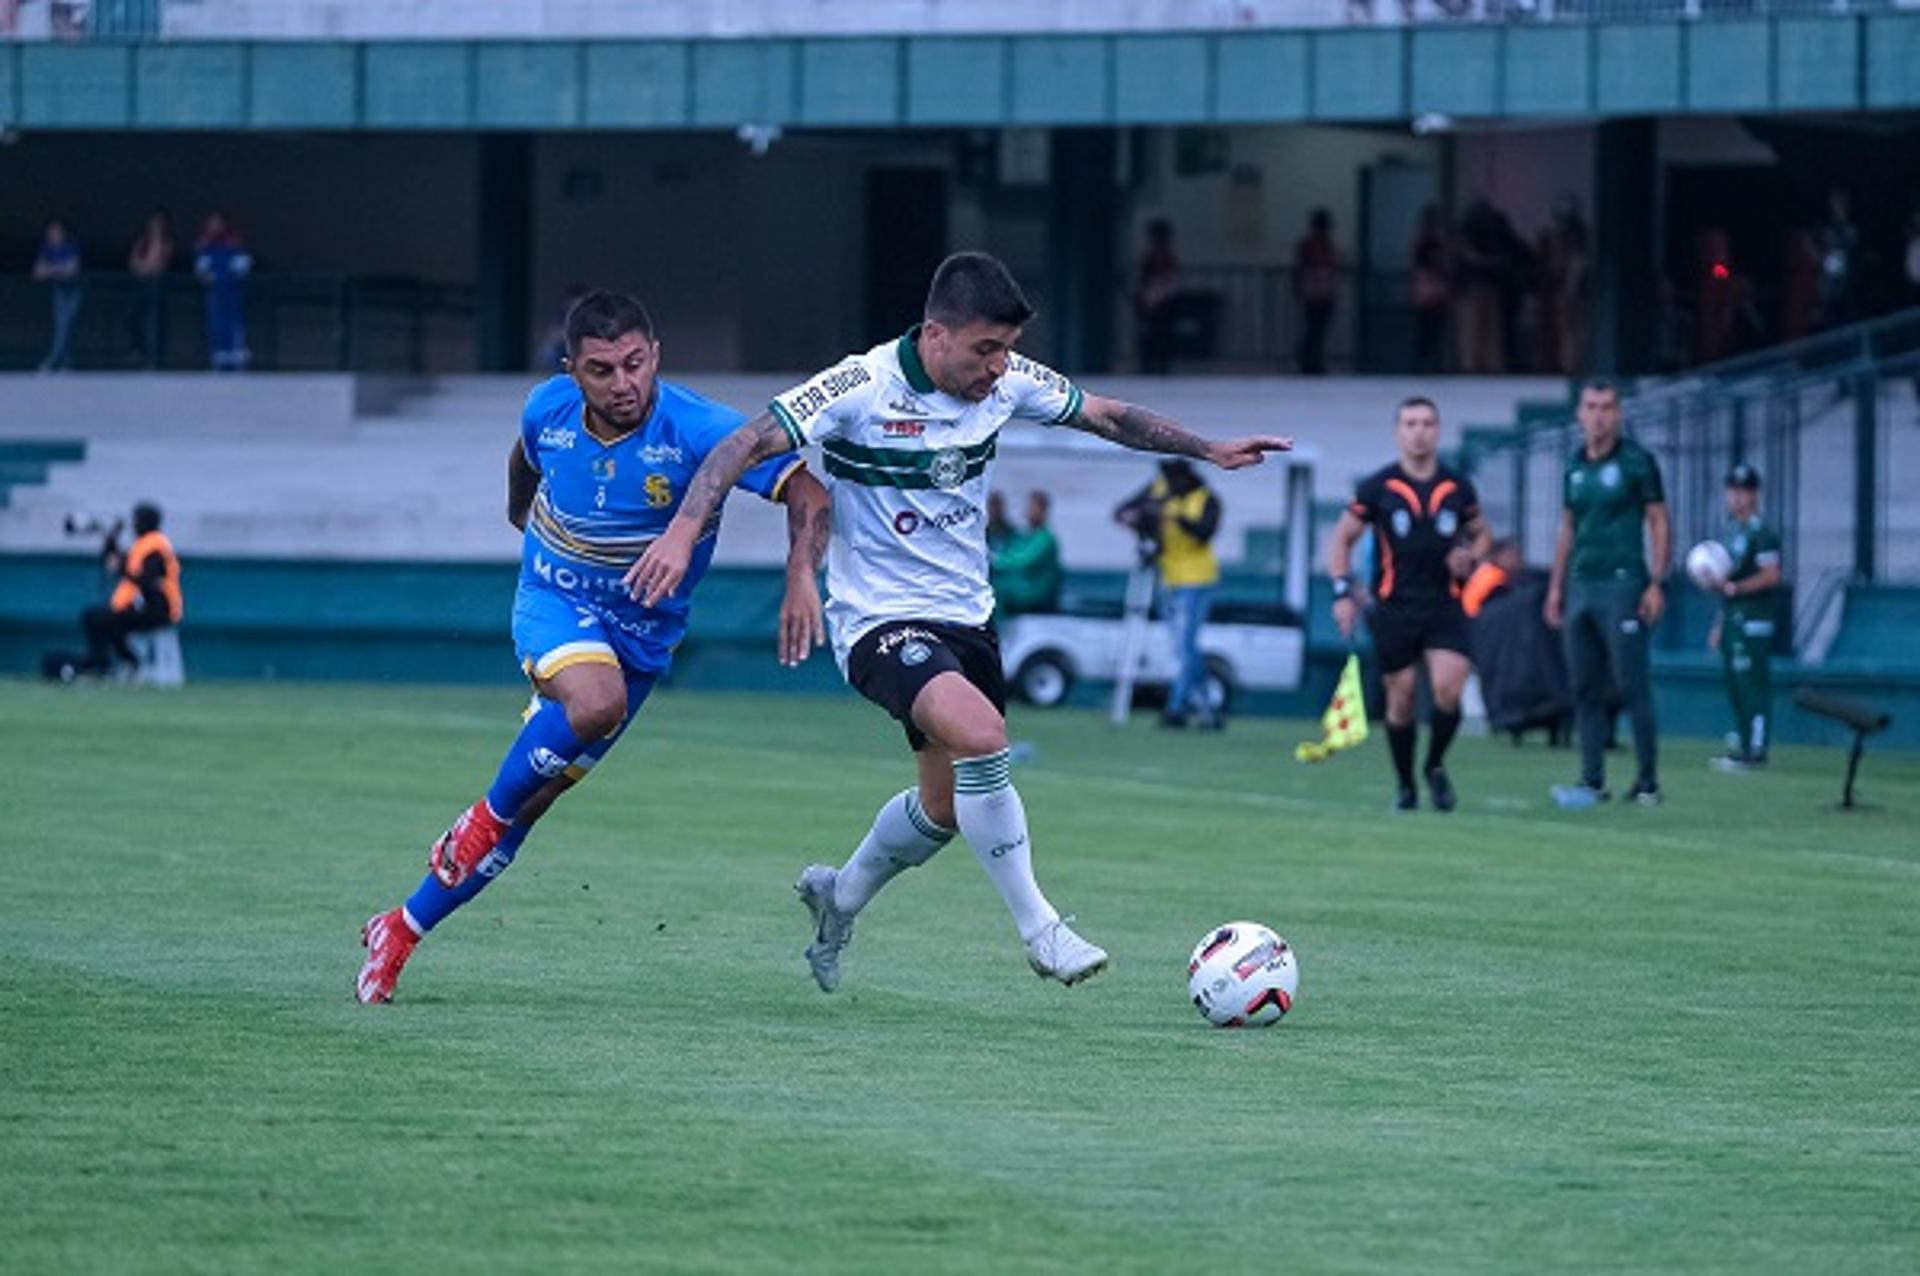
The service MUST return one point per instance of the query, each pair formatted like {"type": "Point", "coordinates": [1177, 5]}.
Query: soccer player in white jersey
{"type": "Point", "coordinates": [908, 432]}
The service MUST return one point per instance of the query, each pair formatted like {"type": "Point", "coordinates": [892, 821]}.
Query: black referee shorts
{"type": "Point", "coordinates": [892, 662]}
{"type": "Point", "coordinates": [1401, 632]}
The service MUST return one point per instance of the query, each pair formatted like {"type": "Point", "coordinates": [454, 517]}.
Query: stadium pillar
{"type": "Point", "coordinates": [503, 273]}
{"type": "Point", "coordinates": [1082, 216]}
{"type": "Point", "coordinates": [1625, 248]}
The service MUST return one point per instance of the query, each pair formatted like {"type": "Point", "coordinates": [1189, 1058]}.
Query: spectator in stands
{"type": "Point", "coordinates": [1564, 282]}
{"type": "Point", "coordinates": [1723, 314]}
{"type": "Point", "coordinates": [1430, 289]}
{"type": "Point", "coordinates": [1316, 285]}
{"type": "Point", "coordinates": [1153, 299]}
{"type": "Point", "coordinates": [222, 264]}
{"type": "Point", "coordinates": [1490, 269]}
{"type": "Point", "coordinates": [57, 265]}
{"type": "Point", "coordinates": [1026, 571]}
{"type": "Point", "coordinates": [148, 261]}
{"type": "Point", "coordinates": [1179, 515]}
{"type": "Point", "coordinates": [1799, 284]}
{"type": "Point", "coordinates": [146, 596]}
{"type": "Point", "coordinates": [1839, 262]}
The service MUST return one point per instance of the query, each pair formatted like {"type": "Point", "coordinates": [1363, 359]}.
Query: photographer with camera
{"type": "Point", "coordinates": [146, 594]}
{"type": "Point", "coordinates": [1175, 518]}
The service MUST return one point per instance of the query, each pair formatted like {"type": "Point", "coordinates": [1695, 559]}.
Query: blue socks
{"type": "Point", "coordinates": [431, 903]}
{"type": "Point", "coordinates": [545, 749]}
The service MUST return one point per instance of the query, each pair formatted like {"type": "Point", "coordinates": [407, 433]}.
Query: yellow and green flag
{"type": "Point", "coordinates": [1344, 724]}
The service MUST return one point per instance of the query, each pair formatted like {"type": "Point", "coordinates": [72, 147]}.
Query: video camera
{"type": "Point", "coordinates": [94, 525]}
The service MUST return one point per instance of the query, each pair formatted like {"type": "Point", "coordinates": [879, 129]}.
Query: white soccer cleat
{"type": "Point", "coordinates": [832, 929]}
{"type": "Point", "coordinates": [1058, 953]}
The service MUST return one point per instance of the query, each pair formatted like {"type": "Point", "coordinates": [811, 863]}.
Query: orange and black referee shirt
{"type": "Point", "coordinates": [1414, 524]}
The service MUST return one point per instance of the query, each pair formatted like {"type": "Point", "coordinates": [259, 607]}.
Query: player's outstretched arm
{"type": "Point", "coordinates": [659, 571]}
{"type": "Point", "coordinates": [1143, 430]}
{"type": "Point", "coordinates": [809, 529]}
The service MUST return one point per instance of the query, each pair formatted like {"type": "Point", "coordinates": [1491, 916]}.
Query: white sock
{"type": "Point", "coordinates": [994, 821]}
{"type": "Point", "coordinates": [903, 836]}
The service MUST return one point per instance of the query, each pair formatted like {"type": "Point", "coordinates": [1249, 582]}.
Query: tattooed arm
{"type": "Point", "coordinates": [1143, 430]}
{"type": "Point", "coordinates": [659, 571]}
{"type": "Point", "coordinates": [809, 528]}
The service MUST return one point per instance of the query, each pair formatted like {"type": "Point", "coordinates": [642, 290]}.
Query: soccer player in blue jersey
{"type": "Point", "coordinates": [604, 456]}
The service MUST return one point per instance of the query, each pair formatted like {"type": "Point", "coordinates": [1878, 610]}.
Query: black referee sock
{"type": "Point", "coordinates": [1444, 725]}
{"type": "Point", "coordinates": [1401, 741]}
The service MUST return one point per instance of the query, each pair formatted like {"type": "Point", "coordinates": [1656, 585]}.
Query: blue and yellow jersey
{"type": "Point", "coordinates": [600, 504]}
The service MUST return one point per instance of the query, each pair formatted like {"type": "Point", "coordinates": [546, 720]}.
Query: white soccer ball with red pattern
{"type": "Point", "coordinates": [1242, 975]}
{"type": "Point", "coordinates": [1709, 564]}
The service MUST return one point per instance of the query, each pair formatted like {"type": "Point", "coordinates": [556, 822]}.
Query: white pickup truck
{"type": "Point", "coordinates": [1248, 646]}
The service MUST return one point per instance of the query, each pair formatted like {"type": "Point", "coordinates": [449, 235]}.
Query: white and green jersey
{"type": "Point", "coordinates": [909, 467]}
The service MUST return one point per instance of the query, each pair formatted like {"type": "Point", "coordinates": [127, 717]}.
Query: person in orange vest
{"type": "Point", "coordinates": [146, 594]}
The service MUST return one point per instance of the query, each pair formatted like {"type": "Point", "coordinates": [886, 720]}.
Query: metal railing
{"type": "Point", "coordinates": [295, 321]}
{"type": "Point", "coordinates": [1832, 422]}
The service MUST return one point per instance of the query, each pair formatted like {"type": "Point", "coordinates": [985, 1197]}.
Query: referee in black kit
{"type": "Point", "coordinates": [1428, 533]}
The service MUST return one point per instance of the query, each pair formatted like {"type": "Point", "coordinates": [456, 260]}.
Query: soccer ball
{"type": "Point", "coordinates": [1709, 564]}
{"type": "Point", "coordinates": [1242, 975]}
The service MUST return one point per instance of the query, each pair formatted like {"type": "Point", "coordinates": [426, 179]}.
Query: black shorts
{"type": "Point", "coordinates": [893, 661]}
{"type": "Point", "coordinates": [1401, 633]}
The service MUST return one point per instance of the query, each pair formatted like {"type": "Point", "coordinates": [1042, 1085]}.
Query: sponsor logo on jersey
{"type": "Point", "coordinates": [949, 469]}
{"type": "Point", "coordinates": [907, 405]}
{"type": "Point", "coordinates": [662, 454]}
{"type": "Point", "coordinates": [907, 522]}
{"type": "Point", "coordinates": [1610, 476]}
{"type": "Point", "coordinates": [559, 437]}
{"type": "Point", "coordinates": [1577, 477]}
{"type": "Point", "coordinates": [806, 402]}
{"type": "Point", "coordinates": [1448, 523]}
{"type": "Point", "coordinates": [1402, 523]}
{"type": "Point", "coordinates": [575, 579]}
{"type": "Point", "coordinates": [603, 469]}
{"type": "Point", "coordinates": [903, 429]}
{"type": "Point", "coordinates": [915, 653]}
{"type": "Point", "coordinates": [659, 490]}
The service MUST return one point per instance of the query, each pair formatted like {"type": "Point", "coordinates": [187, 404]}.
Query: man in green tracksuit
{"type": "Point", "coordinates": [1606, 592]}
{"type": "Point", "coordinates": [1744, 630]}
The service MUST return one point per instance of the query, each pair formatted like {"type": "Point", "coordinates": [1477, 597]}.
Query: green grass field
{"type": "Point", "coordinates": [1623, 1041]}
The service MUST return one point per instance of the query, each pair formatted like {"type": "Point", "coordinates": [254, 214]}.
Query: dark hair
{"type": "Point", "coordinates": [605, 316]}
{"type": "Point", "coordinates": [1599, 385]}
{"type": "Point", "coordinates": [975, 286]}
{"type": "Point", "coordinates": [1415, 401]}
{"type": "Point", "coordinates": [146, 518]}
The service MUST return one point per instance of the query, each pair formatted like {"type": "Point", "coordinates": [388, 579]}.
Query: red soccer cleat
{"type": "Point", "coordinates": [462, 847]}
{"type": "Point", "coordinates": [389, 941]}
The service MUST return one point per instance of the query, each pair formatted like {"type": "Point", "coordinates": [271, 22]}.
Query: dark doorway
{"type": "Point", "coordinates": [906, 239]}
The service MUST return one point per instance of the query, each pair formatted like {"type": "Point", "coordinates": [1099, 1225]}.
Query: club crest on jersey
{"type": "Point", "coordinates": [1448, 523]}
{"type": "Point", "coordinates": [949, 469]}
{"type": "Point", "coordinates": [603, 469]}
{"type": "Point", "coordinates": [903, 429]}
{"type": "Point", "coordinates": [659, 490]}
{"type": "Point", "coordinates": [1402, 523]}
